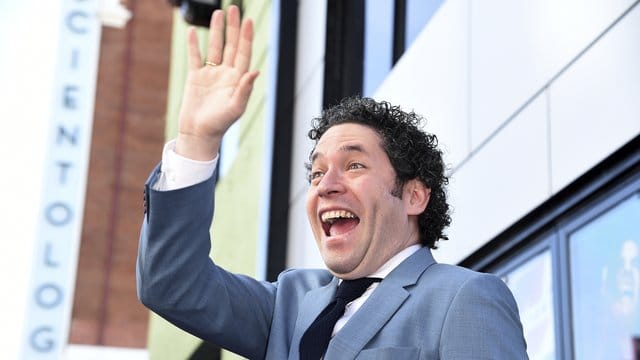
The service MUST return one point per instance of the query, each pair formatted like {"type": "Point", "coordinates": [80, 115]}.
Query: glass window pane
{"type": "Point", "coordinates": [378, 43]}
{"type": "Point", "coordinates": [605, 283]}
{"type": "Point", "coordinates": [531, 285]}
{"type": "Point", "coordinates": [418, 14]}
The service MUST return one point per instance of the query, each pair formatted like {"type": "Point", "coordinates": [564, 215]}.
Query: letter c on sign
{"type": "Point", "coordinates": [73, 25]}
{"type": "Point", "coordinates": [41, 339]}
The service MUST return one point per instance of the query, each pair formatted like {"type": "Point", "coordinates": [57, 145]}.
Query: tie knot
{"type": "Point", "coordinates": [349, 290]}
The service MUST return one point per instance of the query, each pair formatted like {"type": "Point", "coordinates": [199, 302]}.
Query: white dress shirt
{"type": "Point", "coordinates": [177, 172]}
{"type": "Point", "coordinates": [384, 270]}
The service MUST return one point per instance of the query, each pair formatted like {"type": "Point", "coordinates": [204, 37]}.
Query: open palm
{"type": "Point", "coordinates": [216, 93]}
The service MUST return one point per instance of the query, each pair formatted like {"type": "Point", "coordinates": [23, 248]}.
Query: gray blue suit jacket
{"type": "Point", "coordinates": [421, 310]}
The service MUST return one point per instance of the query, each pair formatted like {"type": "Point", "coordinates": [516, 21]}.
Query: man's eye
{"type": "Point", "coordinates": [315, 175]}
{"type": "Point", "coordinates": [354, 166]}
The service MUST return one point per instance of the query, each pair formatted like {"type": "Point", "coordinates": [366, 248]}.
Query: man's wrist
{"type": "Point", "coordinates": [197, 147]}
{"type": "Point", "coordinates": [179, 172]}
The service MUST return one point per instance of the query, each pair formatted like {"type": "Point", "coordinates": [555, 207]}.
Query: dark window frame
{"type": "Point", "coordinates": [596, 207]}
{"type": "Point", "coordinates": [344, 51]}
{"type": "Point", "coordinates": [344, 47]}
{"type": "Point", "coordinates": [549, 226]}
{"type": "Point", "coordinates": [282, 141]}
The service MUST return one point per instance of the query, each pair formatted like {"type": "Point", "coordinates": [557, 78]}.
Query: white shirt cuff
{"type": "Point", "coordinates": [177, 172]}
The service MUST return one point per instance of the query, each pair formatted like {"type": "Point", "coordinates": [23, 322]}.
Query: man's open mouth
{"type": "Point", "coordinates": [338, 222]}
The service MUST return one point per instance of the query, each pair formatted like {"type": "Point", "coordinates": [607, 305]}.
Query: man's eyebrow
{"type": "Point", "coordinates": [353, 148]}
{"type": "Point", "coordinates": [345, 148]}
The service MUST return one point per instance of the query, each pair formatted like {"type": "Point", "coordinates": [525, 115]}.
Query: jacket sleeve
{"type": "Point", "coordinates": [177, 279]}
{"type": "Point", "coordinates": [483, 322]}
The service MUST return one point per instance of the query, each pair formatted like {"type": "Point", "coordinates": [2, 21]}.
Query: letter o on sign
{"type": "Point", "coordinates": [48, 296]}
{"type": "Point", "coordinates": [58, 214]}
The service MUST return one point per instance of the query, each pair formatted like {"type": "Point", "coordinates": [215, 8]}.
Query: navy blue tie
{"type": "Point", "coordinates": [315, 340]}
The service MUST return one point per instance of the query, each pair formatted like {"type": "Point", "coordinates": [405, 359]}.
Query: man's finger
{"type": "Point", "coordinates": [231, 39]}
{"type": "Point", "coordinates": [243, 56]}
{"type": "Point", "coordinates": [216, 37]}
{"type": "Point", "coordinates": [194, 58]}
{"type": "Point", "coordinates": [240, 97]}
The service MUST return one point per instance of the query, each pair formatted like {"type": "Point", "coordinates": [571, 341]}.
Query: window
{"type": "Point", "coordinates": [391, 26]}
{"type": "Point", "coordinates": [531, 285]}
{"type": "Point", "coordinates": [378, 43]}
{"type": "Point", "coordinates": [605, 283]}
{"type": "Point", "coordinates": [573, 265]}
{"type": "Point", "coordinates": [418, 14]}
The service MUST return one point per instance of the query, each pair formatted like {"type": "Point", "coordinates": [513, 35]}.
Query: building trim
{"type": "Point", "coordinates": [610, 172]}
{"type": "Point", "coordinates": [344, 53]}
{"type": "Point", "coordinates": [282, 140]}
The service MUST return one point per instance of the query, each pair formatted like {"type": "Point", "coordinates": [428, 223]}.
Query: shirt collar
{"type": "Point", "coordinates": [393, 263]}
{"type": "Point", "coordinates": [396, 260]}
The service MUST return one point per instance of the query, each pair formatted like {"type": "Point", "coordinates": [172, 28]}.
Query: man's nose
{"type": "Point", "coordinates": [331, 183]}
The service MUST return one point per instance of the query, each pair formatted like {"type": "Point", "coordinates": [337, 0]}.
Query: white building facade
{"type": "Point", "coordinates": [537, 108]}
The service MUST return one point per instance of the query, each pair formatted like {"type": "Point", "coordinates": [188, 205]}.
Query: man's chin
{"type": "Point", "coordinates": [339, 269]}
{"type": "Point", "coordinates": [343, 270]}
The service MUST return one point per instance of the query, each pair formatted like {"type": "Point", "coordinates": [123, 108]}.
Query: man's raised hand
{"type": "Point", "coordinates": [217, 88]}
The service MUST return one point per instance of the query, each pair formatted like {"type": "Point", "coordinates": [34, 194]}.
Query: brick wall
{"type": "Point", "coordinates": [128, 134]}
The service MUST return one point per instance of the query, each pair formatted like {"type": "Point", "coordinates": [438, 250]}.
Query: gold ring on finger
{"type": "Point", "coordinates": [210, 63]}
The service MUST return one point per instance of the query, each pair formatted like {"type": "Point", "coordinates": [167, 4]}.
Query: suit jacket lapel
{"type": "Point", "coordinates": [311, 306]}
{"type": "Point", "coordinates": [379, 308]}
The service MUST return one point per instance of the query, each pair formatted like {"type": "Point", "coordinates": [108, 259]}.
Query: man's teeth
{"type": "Point", "coordinates": [331, 216]}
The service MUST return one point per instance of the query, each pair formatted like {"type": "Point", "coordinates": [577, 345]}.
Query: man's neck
{"type": "Point", "coordinates": [395, 260]}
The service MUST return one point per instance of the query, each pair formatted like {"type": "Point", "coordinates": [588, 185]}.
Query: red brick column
{"type": "Point", "coordinates": [128, 134]}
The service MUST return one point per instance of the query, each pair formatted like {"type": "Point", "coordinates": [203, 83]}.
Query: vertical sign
{"type": "Point", "coordinates": [64, 184]}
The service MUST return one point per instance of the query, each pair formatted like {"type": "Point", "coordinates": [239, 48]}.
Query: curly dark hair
{"type": "Point", "coordinates": [413, 154]}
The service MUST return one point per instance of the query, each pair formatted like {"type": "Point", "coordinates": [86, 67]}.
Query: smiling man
{"type": "Point", "coordinates": [360, 214]}
{"type": "Point", "coordinates": [377, 206]}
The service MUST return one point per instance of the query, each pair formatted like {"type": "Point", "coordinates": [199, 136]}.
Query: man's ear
{"type": "Point", "coordinates": [416, 196]}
